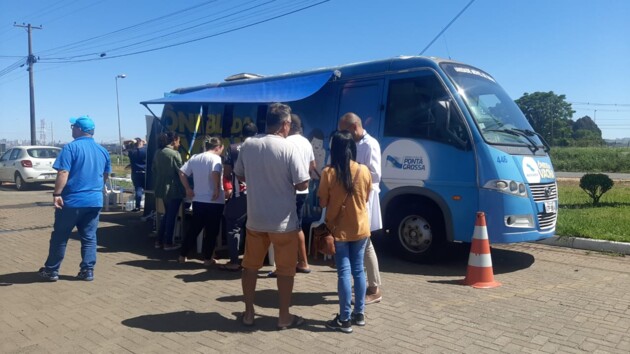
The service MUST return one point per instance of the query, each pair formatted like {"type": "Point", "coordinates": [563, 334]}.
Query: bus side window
{"type": "Point", "coordinates": [228, 116]}
{"type": "Point", "coordinates": [261, 118]}
{"type": "Point", "coordinates": [407, 110]}
{"type": "Point", "coordinates": [419, 108]}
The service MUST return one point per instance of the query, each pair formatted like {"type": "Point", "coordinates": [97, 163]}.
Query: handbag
{"type": "Point", "coordinates": [324, 240]}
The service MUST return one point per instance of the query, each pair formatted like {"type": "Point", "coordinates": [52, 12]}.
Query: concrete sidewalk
{"type": "Point", "coordinates": [588, 244]}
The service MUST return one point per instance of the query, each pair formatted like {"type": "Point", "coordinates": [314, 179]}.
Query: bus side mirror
{"type": "Point", "coordinates": [452, 131]}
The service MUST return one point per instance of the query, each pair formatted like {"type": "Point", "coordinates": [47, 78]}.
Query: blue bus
{"type": "Point", "coordinates": [453, 143]}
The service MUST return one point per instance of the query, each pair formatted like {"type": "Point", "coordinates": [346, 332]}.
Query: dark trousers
{"type": "Point", "coordinates": [138, 184]}
{"type": "Point", "coordinates": [167, 225]}
{"type": "Point", "coordinates": [234, 224]}
{"type": "Point", "coordinates": [205, 216]}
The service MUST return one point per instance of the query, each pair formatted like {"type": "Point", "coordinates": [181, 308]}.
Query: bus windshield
{"type": "Point", "coordinates": [499, 119]}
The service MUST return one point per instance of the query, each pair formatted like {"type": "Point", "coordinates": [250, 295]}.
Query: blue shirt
{"type": "Point", "coordinates": [138, 160]}
{"type": "Point", "coordinates": [86, 163]}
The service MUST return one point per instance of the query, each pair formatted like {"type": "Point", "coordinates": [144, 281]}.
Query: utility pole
{"type": "Point", "coordinates": [31, 60]}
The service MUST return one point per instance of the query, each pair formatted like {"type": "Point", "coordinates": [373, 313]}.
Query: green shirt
{"type": "Point", "coordinates": [166, 165]}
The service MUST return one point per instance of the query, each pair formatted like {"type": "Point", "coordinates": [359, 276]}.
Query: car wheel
{"type": "Point", "coordinates": [19, 182]}
{"type": "Point", "coordinates": [419, 233]}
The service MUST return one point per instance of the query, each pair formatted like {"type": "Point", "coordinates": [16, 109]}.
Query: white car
{"type": "Point", "coordinates": [24, 165]}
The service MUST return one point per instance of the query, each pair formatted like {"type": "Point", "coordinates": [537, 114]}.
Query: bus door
{"type": "Point", "coordinates": [364, 99]}
{"type": "Point", "coordinates": [427, 148]}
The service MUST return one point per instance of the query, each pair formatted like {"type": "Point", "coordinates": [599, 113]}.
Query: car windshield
{"type": "Point", "coordinates": [43, 153]}
{"type": "Point", "coordinates": [499, 119]}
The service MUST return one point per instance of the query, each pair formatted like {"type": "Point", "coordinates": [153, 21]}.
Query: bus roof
{"type": "Point", "coordinates": [289, 86]}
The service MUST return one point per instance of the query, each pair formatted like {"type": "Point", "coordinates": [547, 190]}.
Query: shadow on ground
{"type": "Point", "coordinates": [190, 321]}
{"type": "Point", "coordinates": [269, 298]}
{"type": "Point", "coordinates": [28, 278]}
{"type": "Point", "coordinates": [455, 263]}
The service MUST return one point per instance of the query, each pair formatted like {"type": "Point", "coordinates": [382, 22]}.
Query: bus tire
{"type": "Point", "coordinates": [419, 233]}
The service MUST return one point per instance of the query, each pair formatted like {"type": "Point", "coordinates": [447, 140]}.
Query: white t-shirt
{"type": "Point", "coordinates": [271, 166]}
{"type": "Point", "coordinates": [305, 150]}
{"type": "Point", "coordinates": [201, 166]}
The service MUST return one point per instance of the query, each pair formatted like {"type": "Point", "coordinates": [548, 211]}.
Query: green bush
{"type": "Point", "coordinates": [595, 185]}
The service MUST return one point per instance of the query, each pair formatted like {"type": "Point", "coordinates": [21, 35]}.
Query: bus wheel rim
{"type": "Point", "coordinates": [415, 234]}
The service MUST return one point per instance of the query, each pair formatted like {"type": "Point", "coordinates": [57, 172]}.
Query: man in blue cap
{"type": "Point", "coordinates": [82, 167]}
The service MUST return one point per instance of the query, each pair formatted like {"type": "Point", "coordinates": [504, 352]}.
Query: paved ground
{"type": "Point", "coordinates": [552, 299]}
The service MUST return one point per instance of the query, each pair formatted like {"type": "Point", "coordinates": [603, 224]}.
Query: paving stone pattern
{"type": "Point", "coordinates": [553, 300]}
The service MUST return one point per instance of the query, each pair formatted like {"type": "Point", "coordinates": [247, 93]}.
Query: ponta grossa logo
{"type": "Point", "coordinates": [415, 163]}
{"type": "Point", "coordinates": [405, 163]}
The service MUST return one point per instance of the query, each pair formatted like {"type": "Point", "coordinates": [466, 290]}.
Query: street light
{"type": "Point", "coordinates": [120, 76]}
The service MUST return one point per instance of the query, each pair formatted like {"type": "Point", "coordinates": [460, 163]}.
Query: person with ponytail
{"type": "Point", "coordinates": [344, 190]}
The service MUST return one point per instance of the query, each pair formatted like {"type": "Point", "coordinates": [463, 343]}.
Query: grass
{"type": "Point", "coordinates": [591, 159]}
{"type": "Point", "coordinates": [578, 218]}
{"type": "Point", "coordinates": [120, 171]}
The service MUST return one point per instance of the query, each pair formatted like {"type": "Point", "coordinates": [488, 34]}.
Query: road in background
{"type": "Point", "coordinates": [578, 175]}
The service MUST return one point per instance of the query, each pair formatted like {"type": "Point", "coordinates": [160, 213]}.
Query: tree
{"type": "Point", "coordinates": [586, 123]}
{"type": "Point", "coordinates": [549, 114]}
{"type": "Point", "coordinates": [586, 132]}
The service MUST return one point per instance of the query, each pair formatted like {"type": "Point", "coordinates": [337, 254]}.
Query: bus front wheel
{"type": "Point", "coordinates": [419, 233]}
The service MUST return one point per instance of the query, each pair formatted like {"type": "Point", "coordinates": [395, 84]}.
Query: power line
{"type": "Point", "coordinates": [195, 39]}
{"type": "Point", "coordinates": [13, 66]}
{"type": "Point", "coordinates": [75, 44]}
{"type": "Point", "coordinates": [447, 26]}
{"type": "Point", "coordinates": [599, 104]}
{"type": "Point", "coordinates": [154, 38]}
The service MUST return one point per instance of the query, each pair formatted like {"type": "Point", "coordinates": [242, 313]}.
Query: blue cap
{"type": "Point", "coordinates": [84, 123]}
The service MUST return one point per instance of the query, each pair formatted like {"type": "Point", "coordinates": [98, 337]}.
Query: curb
{"type": "Point", "coordinates": [587, 244]}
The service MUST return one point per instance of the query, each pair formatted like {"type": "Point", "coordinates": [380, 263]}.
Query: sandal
{"type": "Point", "coordinates": [245, 323]}
{"type": "Point", "coordinates": [230, 267]}
{"type": "Point", "coordinates": [209, 262]}
{"type": "Point", "coordinates": [295, 323]}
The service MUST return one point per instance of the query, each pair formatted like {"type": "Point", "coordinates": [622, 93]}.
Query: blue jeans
{"type": "Point", "coordinates": [349, 261]}
{"type": "Point", "coordinates": [167, 225]}
{"type": "Point", "coordinates": [138, 185]}
{"type": "Point", "coordinates": [86, 221]}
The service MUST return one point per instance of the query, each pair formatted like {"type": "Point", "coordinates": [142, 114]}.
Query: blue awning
{"type": "Point", "coordinates": [265, 90]}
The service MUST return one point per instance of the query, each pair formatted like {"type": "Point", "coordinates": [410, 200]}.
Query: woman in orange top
{"type": "Point", "coordinates": [343, 190]}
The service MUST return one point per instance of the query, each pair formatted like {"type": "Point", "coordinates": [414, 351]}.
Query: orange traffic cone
{"type": "Point", "coordinates": [479, 273]}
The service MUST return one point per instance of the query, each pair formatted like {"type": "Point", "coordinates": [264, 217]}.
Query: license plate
{"type": "Point", "coordinates": [550, 207]}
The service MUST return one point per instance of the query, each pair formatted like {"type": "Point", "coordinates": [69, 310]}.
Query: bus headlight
{"type": "Point", "coordinates": [507, 186]}
{"type": "Point", "coordinates": [526, 221]}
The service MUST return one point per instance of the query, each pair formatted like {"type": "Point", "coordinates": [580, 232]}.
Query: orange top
{"type": "Point", "coordinates": [353, 224]}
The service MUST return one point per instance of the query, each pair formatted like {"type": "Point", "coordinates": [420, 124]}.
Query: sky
{"type": "Point", "coordinates": [577, 48]}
